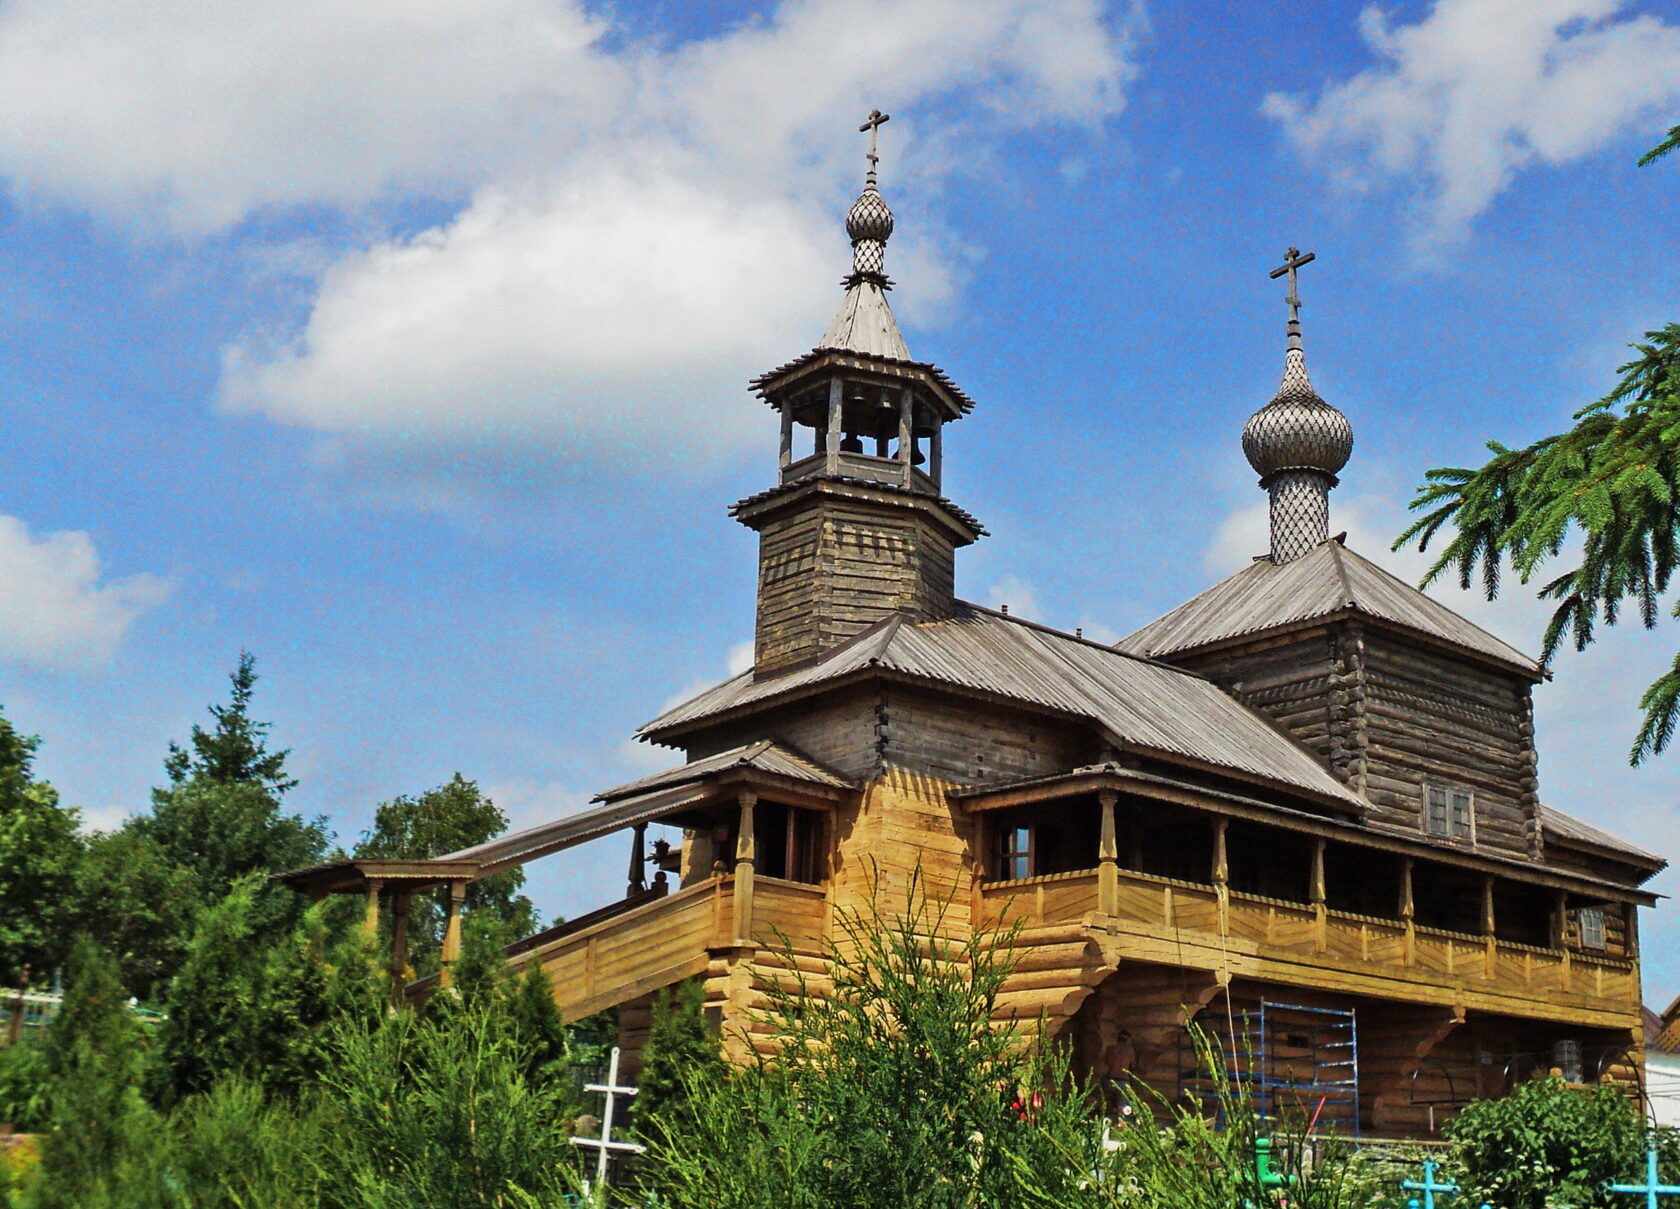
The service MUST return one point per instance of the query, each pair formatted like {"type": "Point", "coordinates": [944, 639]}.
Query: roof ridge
{"type": "Point", "coordinates": [1336, 551]}
{"type": "Point", "coordinates": [1106, 648]}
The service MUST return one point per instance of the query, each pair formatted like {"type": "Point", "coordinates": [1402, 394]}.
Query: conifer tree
{"type": "Point", "coordinates": [681, 1054]}
{"type": "Point", "coordinates": [1613, 480]}
{"type": "Point", "coordinates": [39, 855]}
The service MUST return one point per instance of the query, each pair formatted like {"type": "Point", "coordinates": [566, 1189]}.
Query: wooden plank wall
{"type": "Point", "coordinates": [1436, 718]}
{"type": "Point", "coordinates": [835, 567]}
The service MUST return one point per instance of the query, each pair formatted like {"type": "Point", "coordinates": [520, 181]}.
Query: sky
{"type": "Point", "coordinates": [405, 345]}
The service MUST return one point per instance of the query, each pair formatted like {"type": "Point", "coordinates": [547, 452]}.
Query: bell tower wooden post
{"type": "Point", "coordinates": [746, 858]}
{"type": "Point", "coordinates": [1108, 857]}
{"type": "Point", "coordinates": [452, 934]}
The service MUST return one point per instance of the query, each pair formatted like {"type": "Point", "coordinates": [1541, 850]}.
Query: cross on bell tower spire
{"type": "Point", "coordinates": [1297, 442]}
{"type": "Point", "coordinates": [872, 124]}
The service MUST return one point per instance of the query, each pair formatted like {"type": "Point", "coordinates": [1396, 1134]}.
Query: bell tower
{"type": "Point", "coordinates": [856, 528]}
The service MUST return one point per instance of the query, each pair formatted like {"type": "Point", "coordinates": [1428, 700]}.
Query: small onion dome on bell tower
{"type": "Point", "coordinates": [1297, 443]}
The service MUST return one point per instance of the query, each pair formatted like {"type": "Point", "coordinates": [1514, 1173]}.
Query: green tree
{"type": "Point", "coordinates": [95, 1054]}
{"type": "Point", "coordinates": [1547, 1144]}
{"type": "Point", "coordinates": [453, 816]}
{"type": "Point", "coordinates": [235, 750]}
{"type": "Point", "coordinates": [1613, 482]}
{"type": "Point", "coordinates": [682, 1052]}
{"type": "Point", "coordinates": [39, 854]}
{"type": "Point", "coordinates": [138, 903]}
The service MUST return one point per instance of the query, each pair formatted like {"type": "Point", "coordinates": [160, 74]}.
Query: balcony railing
{"type": "Point", "coordinates": [1207, 923]}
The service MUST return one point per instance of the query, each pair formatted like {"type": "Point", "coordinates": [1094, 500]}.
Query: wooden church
{"type": "Point", "coordinates": [1301, 808]}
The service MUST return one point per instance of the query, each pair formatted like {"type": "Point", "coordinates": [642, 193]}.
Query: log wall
{"type": "Point", "coordinates": [835, 567]}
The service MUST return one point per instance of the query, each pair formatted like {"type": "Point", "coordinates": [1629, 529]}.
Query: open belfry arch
{"type": "Point", "coordinates": [1307, 798]}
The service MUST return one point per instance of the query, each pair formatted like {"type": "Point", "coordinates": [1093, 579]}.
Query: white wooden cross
{"type": "Point", "coordinates": [604, 1145]}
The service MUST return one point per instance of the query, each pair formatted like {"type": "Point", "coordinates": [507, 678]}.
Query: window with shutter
{"type": "Point", "coordinates": [1435, 818]}
{"type": "Point", "coordinates": [1449, 814]}
{"type": "Point", "coordinates": [1463, 817]}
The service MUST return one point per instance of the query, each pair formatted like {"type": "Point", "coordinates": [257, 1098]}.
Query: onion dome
{"type": "Point", "coordinates": [1297, 430]}
{"type": "Point", "coordinates": [869, 217]}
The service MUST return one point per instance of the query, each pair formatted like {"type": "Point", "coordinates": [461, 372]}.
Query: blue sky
{"type": "Point", "coordinates": [405, 345]}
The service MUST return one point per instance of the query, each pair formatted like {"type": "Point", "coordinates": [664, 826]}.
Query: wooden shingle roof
{"type": "Point", "coordinates": [1328, 582]}
{"type": "Point", "coordinates": [1143, 705]}
{"type": "Point", "coordinates": [765, 756]}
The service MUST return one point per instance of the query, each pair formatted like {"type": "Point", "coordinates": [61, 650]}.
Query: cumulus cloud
{"type": "Point", "coordinates": [634, 228]}
{"type": "Point", "coordinates": [1476, 92]}
{"type": "Point", "coordinates": [55, 613]}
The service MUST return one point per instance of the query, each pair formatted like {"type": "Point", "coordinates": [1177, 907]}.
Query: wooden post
{"type": "Point", "coordinates": [746, 857]}
{"type": "Point", "coordinates": [399, 945]}
{"type": "Point", "coordinates": [1630, 929]}
{"type": "Point", "coordinates": [1320, 899]}
{"type": "Point", "coordinates": [1108, 857]}
{"type": "Point", "coordinates": [906, 436]}
{"type": "Point", "coordinates": [1560, 936]}
{"type": "Point", "coordinates": [786, 452]}
{"type": "Point", "coordinates": [832, 446]}
{"type": "Point", "coordinates": [1222, 875]}
{"type": "Point", "coordinates": [936, 453]}
{"type": "Point", "coordinates": [452, 935]}
{"type": "Point", "coordinates": [370, 916]}
{"type": "Point", "coordinates": [1489, 941]}
{"type": "Point", "coordinates": [1408, 911]}
{"type": "Point", "coordinates": [638, 872]}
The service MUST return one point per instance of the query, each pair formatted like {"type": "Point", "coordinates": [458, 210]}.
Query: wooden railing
{"type": "Point", "coordinates": [1267, 929]}
{"type": "Point", "coordinates": [664, 941]}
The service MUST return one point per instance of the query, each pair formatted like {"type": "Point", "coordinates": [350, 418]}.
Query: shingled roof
{"type": "Point", "coordinates": [1328, 582]}
{"type": "Point", "coordinates": [765, 756]}
{"type": "Point", "coordinates": [1567, 827]}
{"type": "Point", "coordinates": [1143, 705]}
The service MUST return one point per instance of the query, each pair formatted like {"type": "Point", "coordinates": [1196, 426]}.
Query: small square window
{"type": "Point", "coordinates": [1592, 927]}
{"type": "Point", "coordinates": [1450, 814]}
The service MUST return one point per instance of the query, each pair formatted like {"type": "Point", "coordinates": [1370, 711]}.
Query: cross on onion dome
{"type": "Point", "coordinates": [872, 124]}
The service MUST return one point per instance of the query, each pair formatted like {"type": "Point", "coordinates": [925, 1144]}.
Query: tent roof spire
{"type": "Point", "coordinates": [865, 323]}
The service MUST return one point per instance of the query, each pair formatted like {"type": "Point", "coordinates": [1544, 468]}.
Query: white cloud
{"type": "Point", "coordinates": [1014, 593]}
{"type": "Point", "coordinates": [635, 229]}
{"type": "Point", "coordinates": [55, 614]}
{"type": "Point", "coordinates": [196, 115]}
{"type": "Point", "coordinates": [1479, 90]}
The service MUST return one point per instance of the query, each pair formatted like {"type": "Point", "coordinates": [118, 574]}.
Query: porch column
{"type": "Point", "coordinates": [1320, 903]}
{"type": "Point", "coordinates": [906, 437]}
{"type": "Point", "coordinates": [1108, 857]}
{"type": "Point", "coordinates": [638, 872]}
{"type": "Point", "coordinates": [370, 915]}
{"type": "Point", "coordinates": [1408, 910]}
{"type": "Point", "coordinates": [452, 935]}
{"type": "Point", "coordinates": [399, 945]}
{"type": "Point", "coordinates": [1489, 940]}
{"type": "Point", "coordinates": [1222, 875]}
{"type": "Point", "coordinates": [746, 857]}
{"type": "Point", "coordinates": [831, 446]}
{"type": "Point", "coordinates": [1560, 936]}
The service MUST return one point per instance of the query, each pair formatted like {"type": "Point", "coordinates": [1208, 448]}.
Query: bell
{"type": "Point", "coordinates": [852, 443]}
{"type": "Point", "coordinates": [916, 455]}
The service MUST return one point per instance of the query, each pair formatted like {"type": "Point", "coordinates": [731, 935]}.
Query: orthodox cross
{"type": "Point", "coordinates": [604, 1145]}
{"type": "Point", "coordinates": [1429, 1186]}
{"type": "Point", "coordinates": [1652, 1188]}
{"type": "Point", "coordinates": [1293, 260]}
{"type": "Point", "coordinates": [876, 119]}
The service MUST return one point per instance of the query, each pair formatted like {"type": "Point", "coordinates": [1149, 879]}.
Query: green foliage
{"type": "Point", "coordinates": [453, 816]}
{"type": "Point", "coordinates": [442, 1116]}
{"type": "Point", "coordinates": [1613, 482]}
{"type": "Point", "coordinates": [39, 853]}
{"type": "Point", "coordinates": [138, 904]}
{"type": "Point", "coordinates": [25, 1087]}
{"type": "Point", "coordinates": [891, 1088]}
{"type": "Point", "coordinates": [682, 1051]}
{"type": "Point", "coordinates": [1547, 1143]}
{"type": "Point", "coordinates": [94, 1053]}
{"type": "Point", "coordinates": [235, 751]}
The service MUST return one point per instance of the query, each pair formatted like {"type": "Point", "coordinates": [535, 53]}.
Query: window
{"type": "Point", "coordinates": [1015, 853]}
{"type": "Point", "coordinates": [790, 843]}
{"type": "Point", "coordinates": [1450, 814]}
{"type": "Point", "coordinates": [1592, 927]}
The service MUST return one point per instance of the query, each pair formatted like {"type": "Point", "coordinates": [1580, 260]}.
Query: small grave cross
{"type": "Point", "coordinates": [604, 1145]}
{"type": "Point", "coordinates": [1652, 1187]}
{"type": "Point", "coordinates": [1292, 261]}
{"type": "Point", "coordinates": [1428, 1186]}
{"type": "Point", "coordinates": [873, 124]}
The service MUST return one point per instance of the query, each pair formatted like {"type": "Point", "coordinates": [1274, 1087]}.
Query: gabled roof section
{"type": "Point", "coordinates": [764, 756]}
{"type": "Point", "coordinates": [1143, 705]}
{"type": "Point", "coordinates": [1329, 581]}
{"type": "Point", "coordinates": [865, 324]}
{"type": "Point", "coordinates": [1568, 828]}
